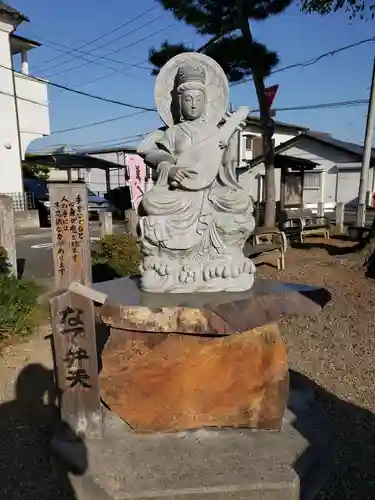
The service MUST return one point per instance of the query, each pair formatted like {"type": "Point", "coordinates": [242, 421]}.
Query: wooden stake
{"type": "Point", "coordinates": [74, 337]}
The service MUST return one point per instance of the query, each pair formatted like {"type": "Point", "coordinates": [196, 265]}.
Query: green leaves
{"type": "Point", "coordinates": [210, 17]}
{"type": "Point", "coordinates": [231, 52]}
{"type": "Point", "coordinates": [239, 56]}
{"type": "Point", "coordinates": [362, 9]}
{"type": "Point", "coordinates": [159, 57]}
{"type": "Point", "coordinates": [238, 62]}
{"type": "Point", "coordinates": [35, 171]}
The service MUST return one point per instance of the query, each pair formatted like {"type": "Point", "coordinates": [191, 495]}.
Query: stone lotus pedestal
{"type": "Point", "coordinates": [187, 379]}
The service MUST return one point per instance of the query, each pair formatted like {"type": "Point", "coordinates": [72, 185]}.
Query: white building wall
{"type": "Point", "coordinates": [33, 109]}
{"type": "Point", "coordinates": [10, 155]}
{"type": "Point", "coordinates": [328, 159]}
{"type": "Point", "coordinates": [281, 135]}
{"type": "Point", "coordinates": [22, 121]}
{"type": "Point", "coordinates": [95, 178]}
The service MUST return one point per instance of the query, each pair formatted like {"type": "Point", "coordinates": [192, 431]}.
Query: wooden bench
{"type": "Point", "coordinates": [301, 223]}
{"type": "Point", "coordinates": [266, 241]}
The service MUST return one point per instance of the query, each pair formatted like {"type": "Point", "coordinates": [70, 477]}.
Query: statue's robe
{"type": "Point", "coordinates": [196, 222]}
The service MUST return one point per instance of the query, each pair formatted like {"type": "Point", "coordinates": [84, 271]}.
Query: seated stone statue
{"type": "Point", "coordinates": [197, 218]}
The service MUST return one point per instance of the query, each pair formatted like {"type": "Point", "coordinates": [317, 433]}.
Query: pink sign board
{"type": "Point", "coordinates": [137, 178]}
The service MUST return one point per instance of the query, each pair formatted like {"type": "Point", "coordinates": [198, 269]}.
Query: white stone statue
{"type": "Point", "coordinates": [196, 219]}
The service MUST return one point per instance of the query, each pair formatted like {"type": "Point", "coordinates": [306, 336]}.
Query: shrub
{"type": "Point", "coordinates": [19, 309]}
{"type": "Point", "coordinates": [118, 255]}
{"type": "Point", "coordinates": [4, 263]}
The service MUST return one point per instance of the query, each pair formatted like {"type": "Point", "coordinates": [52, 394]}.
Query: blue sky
{"type": "Point", "coordinates": [295, 36]}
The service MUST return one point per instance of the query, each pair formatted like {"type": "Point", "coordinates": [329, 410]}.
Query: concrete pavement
{"type": "Point", "coordinates": [34, 252]}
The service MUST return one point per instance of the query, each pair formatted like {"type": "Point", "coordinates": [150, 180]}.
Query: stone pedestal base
{"type": "Point", "coordinates": [205, 464]}
{"type": "Point", "coordinates": [169, 382]}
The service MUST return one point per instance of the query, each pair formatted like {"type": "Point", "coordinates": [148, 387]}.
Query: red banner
{"type": "Point", "coordinates": [271, 93]}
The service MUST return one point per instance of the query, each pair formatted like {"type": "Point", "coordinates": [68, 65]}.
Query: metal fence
{"type": "Point", "coordinates": [22, 201]}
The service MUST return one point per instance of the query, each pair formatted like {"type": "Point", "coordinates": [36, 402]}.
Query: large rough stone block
{"type": "Point", "coordinates": [169, 382]}
{"type": "Point", "coordinates": [175, 362]}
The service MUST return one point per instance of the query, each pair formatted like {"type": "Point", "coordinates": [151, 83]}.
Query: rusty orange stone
{"type": "Point", "coordinates": [172, 382]}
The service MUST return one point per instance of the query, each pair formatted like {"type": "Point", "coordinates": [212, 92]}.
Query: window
{"type": "Point", "coordinates": [249, 142]}
{"type": "Point", "coordinates": [311, 180]}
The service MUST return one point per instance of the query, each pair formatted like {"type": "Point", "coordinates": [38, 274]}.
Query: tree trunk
{"type": "Point", "coordinates": [268, 151]}
{"type": "Point", "coordinates": [364, 256]}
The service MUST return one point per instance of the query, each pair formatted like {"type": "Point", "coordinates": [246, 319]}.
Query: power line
{"type": "Point", "coordinates": [23, 98]}
{"type": "Point", "coordinates": [112, 73]}
{"type": "Point", "coordinates": [304, 63]}
{"type": "Point", "coordinates": [93, 124]}
{"type": "Point", "coordinates": [107, 33]}
{"type": "Point", "coordinates": [124, 140]}
{"type": "Point", "coordinates": [98, 78]}
{"type": "Point", "coordinates": [75, 91]}
{"type": "Point", "coordinates": [329, 105]}
{"type": "Point", "coordinates": [310, 62]}
{"type": "Point", "coordinates": [98, 58]}
{"type": "Point", "coordinates": [53, 44]}
{"type": "Point", "coordinates": [349, 103]}
{"type": "Point", "coordinates": [326, 105]}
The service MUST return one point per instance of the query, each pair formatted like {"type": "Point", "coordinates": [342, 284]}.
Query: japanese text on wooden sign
{"type": "Point", "coordinates": [73, 322]}
{"type": "Point", "coordinates": [68, 218]}
{"type": "Point", "coordinates": [70, 234]}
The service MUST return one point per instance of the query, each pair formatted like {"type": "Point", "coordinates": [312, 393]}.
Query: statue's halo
{"type": "Point", "coordinates": [216, 87]}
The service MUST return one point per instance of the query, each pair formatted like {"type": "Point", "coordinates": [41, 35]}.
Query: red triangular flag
{"type": "Point", "coordinates": [271, 93]}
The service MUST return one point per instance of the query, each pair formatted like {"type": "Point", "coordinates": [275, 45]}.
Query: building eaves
{"type": "Point", "coordinates": [12, 13]}
{"type": "Point", "coordinates": [67, 161]}
{"type": "Point", "coordinates": [117, 149]}
{"type": "Point", "coordinates": [25, 40]}
{"type": "Point", "coordinates": [256, 120]}
{"type": "Point", "coordinates": [347, 147]}
{"type": "Point", "coordinates": [284, 146]}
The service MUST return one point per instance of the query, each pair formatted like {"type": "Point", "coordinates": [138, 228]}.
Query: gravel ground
{"type": "Point", "coordinates": [334, 351]}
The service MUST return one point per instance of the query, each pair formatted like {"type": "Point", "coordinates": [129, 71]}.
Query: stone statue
{"type": "Point", "coordinates": [197, 218]}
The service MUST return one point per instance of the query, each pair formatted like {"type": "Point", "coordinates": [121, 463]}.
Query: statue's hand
{"type": "Point", "coordinates": [177, 175]}
{"type": "Point", "coordinates": [223, 144]}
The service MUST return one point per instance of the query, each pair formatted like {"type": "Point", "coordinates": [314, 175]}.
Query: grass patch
{"type": "Point", "coordinates": [20, 311]}
{"type": "Point", "coordinates": [118, 255]}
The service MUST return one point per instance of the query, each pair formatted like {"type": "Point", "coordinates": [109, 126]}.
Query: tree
{"type": "Point", "coordinates": [237, 52]}
{"type": "Point", "coordinates": [35, 171]}
{"type": "Point", "coordinates": [363, 9]}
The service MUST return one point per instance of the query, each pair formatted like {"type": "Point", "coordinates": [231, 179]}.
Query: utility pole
{"type": "Point", "coordinates": [367, 151]}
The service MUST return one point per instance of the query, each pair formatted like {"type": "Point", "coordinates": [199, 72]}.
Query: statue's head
{"type": "Point", "coordinates": [190, 83]}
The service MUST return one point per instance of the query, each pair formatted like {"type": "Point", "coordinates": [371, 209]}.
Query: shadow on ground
{"type": "Point", "coordinates": [27, 425]}
{"type": "Point", "coordinates": [103, 272]}
{"type": "Point", "coordinates": [353, 477]}
{"type": "Point", "coordinates": [331, 249]}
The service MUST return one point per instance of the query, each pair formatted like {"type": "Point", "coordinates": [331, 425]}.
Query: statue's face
{"type": "Point", "coordinates": [192, 104]}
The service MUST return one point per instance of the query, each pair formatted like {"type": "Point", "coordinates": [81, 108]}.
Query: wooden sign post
{"type": "Point", "coordinates": [7, 233]}
{"type": "Point", "coordinates": [70, 234]}
{"type": "Point", "coordinates": [73, 325]}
